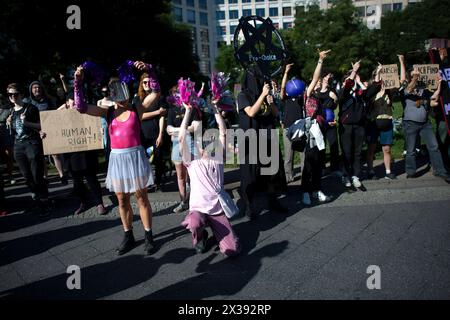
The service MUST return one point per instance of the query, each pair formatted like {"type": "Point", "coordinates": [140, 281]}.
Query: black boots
{"type": "Point", "coordinates": [149, 246]}
{"type": "Point", "coordinates": [275, 205]}
{"type": "Point", "coordinates": [127, 244]}
{"type": "Point", "coordinates": [200, 247]}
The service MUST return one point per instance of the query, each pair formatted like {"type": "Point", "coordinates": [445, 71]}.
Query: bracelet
{"type": "Point", "coordinates": [320, 61]}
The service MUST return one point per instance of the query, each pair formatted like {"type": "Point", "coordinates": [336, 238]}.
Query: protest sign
{"type": "Point", "coordinates": [389, 76]}
{"type": "Point", "coordinates": [70, 131]}
{"type": "Point", "coordinates": [428, 75]}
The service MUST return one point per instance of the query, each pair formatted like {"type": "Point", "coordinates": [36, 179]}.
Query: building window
{"type": "Point", "coordinates": [246, 12]}
{"type": "Point", "coordinates": [176, 1]}
{"type": "Point", "coordinates": [221, 30]}
{"type": "Point", "coordinates": [232, 29]}
{"type": "Point", "coordinates": [233, 14]}
{"type": "Point", "coordinates": [232, 1]}
{"type": "Point", "coordinates": [287, 11]}
{"type": "Point", "coordinates": [220, 15]}
{"type": "Point", "coordinates": [202, 4]}
{"type": "Point", "coordinates": [261, 12]}
{"type": "Point", "coordinates": [273, 12]}
{"type": "Point", "coordinates": [397, 6]}
{"type": "Point", "coordinates": [190, 3]}
{"type": "Point", "coordinates": [203, 18]}
{"type": "Point", "coordinates": [204, 35]}
{"type": "Point", "coordinates": [246, 1]}
{"type": "Point", "coordinates": [386, 8]}
{"type": "Point", "coordinates": [205, 51]}
{"type": "Point", "coordinates": [178, 14]}
{"type": "Point", "coordinates": [361, 11]}
{"type": "Point", "coordinates": [259, 0]}
{"type": "Point", "coordinates": [287, 25]}
{"type": "Point", "coordinates": [219, 2]}
{"type": "Point", "coordinates": [191, 16]}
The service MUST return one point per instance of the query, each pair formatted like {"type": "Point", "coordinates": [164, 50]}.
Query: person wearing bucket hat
{"type": "Point", "coordinates": [129, 171]}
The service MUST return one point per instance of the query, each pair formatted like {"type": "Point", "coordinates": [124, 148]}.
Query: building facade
{"type": "Point", "coordinates": [371, 11]}
{"type": "Point", "coordinates": [214, 21]}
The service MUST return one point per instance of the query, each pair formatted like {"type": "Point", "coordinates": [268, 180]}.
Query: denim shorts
{"type": "Point", "coordinates": [373, 134]}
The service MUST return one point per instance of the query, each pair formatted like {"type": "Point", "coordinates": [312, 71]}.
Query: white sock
{"type": "Point", "coordinates": [388, 171]}
{"type": "Point", "coordinates": [148, 230]}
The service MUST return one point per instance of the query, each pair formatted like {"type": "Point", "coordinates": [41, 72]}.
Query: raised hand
{"type": "Point", "coordinates": [141, 66]}
{"type": "Point", "coordinates": [289, 67]}
{"type": "Point", "coordinates": [356, 65]}
{"type": "Point", "coordinates": [323, 54]}
{"type": "Point", "coordinates": [266, 90]}
{"type": "Point", "coordinates": [401, 57]}
{"type": "Point", "coordinates": [79, 73]}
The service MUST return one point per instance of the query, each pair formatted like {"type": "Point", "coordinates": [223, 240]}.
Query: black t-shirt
{"type": "Point", "coordinates": [150, 127]}
{"type": "Point", "coordinates": [23, 133]}
{"type": "Point", "coordinates": [263, 120]}
{"type": "Point", "coordinates": [176, 114]}
{"type": "Point", "coordinates": [293, 110]}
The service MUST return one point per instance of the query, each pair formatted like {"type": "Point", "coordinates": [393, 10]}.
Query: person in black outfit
{"type": "Point", "coordinates": [28, 152]}
{"type": "Point", "coordinates": [353, 101]}
{"type": "Point", "coordinates": [152, 128]}
{"type": "Point", "coordinates": [293, 110]}
{"type": "Point", "coordinates": [257, 111]}
{"type": "Point", "coordinates": [83, 165]}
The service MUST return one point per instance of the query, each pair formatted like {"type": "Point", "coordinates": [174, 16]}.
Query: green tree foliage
{"type": "Point", "coordinates": [226, 62]}
{"type": "Point", "coordinates": [34, 39]}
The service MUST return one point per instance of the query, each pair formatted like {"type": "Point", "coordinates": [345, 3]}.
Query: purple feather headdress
{"type": "Point", "coordinates": [218, 83]}
{"type": "Point", "coordinates": [126, 72]}
{"type": "Point", "coordinates": [94, 72]}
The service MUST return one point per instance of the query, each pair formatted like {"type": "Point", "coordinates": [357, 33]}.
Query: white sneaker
{"type": "Point", "coordinates": [319, 195]}
{"type": "Point", "coordinates": [306, 199]}
{"type": "Point", "coordinates": [346, 181]}
{"type": "Point", "coordinates": [181, 207]}
{"type": "Point", "coordinates": [356, 182]}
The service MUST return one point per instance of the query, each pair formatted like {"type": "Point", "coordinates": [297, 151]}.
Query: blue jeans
{"type": "Point", "coordinates": [412, 130]}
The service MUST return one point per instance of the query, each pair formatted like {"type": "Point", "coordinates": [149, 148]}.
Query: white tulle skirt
{"type": "Point", "coordinates": [128, 170]}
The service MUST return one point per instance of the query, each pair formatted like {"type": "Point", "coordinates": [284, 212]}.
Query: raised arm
{"type": "Point", "coordinates": [284, 81]}
{"type": "Point", "coordinates": [221, 124]}
{"type": "Point", "coordinates": [200, 93]}
{"type": "Point", "coordinates": [434, 100]}
{"type": "Point", "coordinates": [317, 71]}
{"type": "Point", "coordinates": [183, 131]}
{"type": "Point", "coordinates": [253, 110]}
{"type": "Point", "coordinates": [401, 59]}
{"type": "Point", "coordinates": [154, 85]}
{"type": "Point", "coordinates": [64, 84]}
{"type": "Point", "coordinates": [414, 78]}
{"type": "Point", "coordinates": [79, 103]}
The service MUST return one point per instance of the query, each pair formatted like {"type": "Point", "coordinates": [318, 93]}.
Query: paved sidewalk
{"type": "Point", "coordinates": [320, 252]}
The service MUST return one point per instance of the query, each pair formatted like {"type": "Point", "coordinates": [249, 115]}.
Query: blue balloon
{"type": "Point", "coordinates": [329, 115]}
{"type": "Point", "coordinates": [295, 88]}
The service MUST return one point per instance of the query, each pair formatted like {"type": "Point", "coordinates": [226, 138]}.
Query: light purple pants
{"type": "Point", "coordinates": [220, 226]}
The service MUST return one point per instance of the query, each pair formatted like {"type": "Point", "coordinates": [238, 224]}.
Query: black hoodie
{"type": "Point", "coordinates": [44, 103]}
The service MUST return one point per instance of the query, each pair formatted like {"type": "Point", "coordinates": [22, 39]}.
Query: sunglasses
{"type": "Point", "coordinates": [145, 82]}
{"type": "Point", "coordinates": [13, 94]}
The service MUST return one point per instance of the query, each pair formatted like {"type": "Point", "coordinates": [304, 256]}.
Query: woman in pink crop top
{"type": "Point", "coordinates": [128, 169]}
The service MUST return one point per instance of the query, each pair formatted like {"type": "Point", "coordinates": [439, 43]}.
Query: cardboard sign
{"type": "Point", "coordinates": [428, 75]}
{"type": "Point", "coordinates": [70, 131]}
{"type": "Point", "coordinates": [389, 76]}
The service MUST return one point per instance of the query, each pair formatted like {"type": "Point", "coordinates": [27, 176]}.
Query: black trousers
{"type": "Point", "coordinates": [157, 159]}
{"type": "Point", "coordinates": [312, 172]}
{"type": "Point", "coordinates": [79, 187]}
{"type": "Point", "coordinates": [30, 159]}
{"type": "Point", "coordinates": [352, 139]}
{"type": "Point", "coordinates": [331, 134]}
